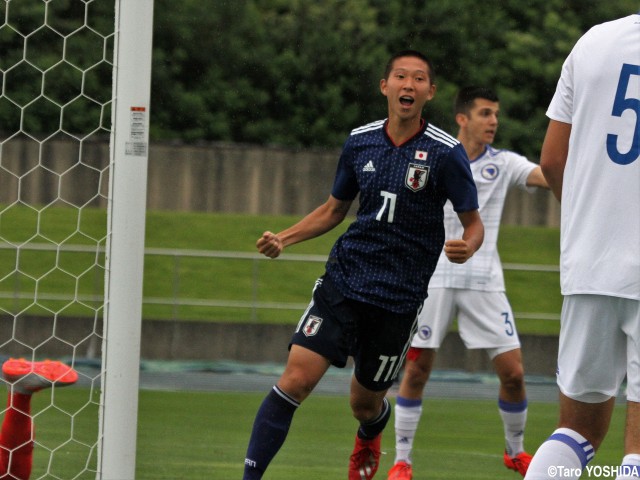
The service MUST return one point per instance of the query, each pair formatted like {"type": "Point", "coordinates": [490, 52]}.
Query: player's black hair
{"type": "Point", "coordinates": [410, 53]}
{"type": "Point", "coordinates": [467, 95]}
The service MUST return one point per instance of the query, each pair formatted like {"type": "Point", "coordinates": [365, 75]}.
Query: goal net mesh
{"type": "Point", "coordinates": [55, 119]}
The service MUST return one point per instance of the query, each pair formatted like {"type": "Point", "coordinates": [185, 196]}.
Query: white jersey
{"type": "Point", "coordinates": [495, 172]}
{"type": "Point", "coordinates": [599, 94]}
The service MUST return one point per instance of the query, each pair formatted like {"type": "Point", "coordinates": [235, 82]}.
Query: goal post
{"type": "Point", "coordinates": [74, 126]}
{"type": "Point", "coordinates": [125, 239]}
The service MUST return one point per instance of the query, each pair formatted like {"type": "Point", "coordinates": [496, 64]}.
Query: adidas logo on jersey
{"type": "Point", "coordinates": [369, 167]}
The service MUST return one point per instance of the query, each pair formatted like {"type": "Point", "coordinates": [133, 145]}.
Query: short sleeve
{"type": "Point", "coordinates": [345, 184]}
{"type": "Point", "coordinates": [458, 181]}
{"type": "Point", "coordinates": [561, 106]}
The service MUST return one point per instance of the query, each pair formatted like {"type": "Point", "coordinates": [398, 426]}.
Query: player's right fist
{"type": "Point", "coordinates": [269, 245]}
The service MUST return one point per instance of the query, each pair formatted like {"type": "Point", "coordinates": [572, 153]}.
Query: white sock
{"type": "Point", "coordinates": [630, 467]}
{"type": "Point", "coordinates": [563, 455]}
{"type": "Point", "coordinates": [514, 418]}
{"type": "Point", "coordinates": [407, 416]}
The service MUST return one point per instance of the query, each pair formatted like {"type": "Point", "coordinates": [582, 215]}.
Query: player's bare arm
{"type": "Point", "coordinates": [462, 249]}
{"type": "Point", "coordinates": [536, 179]}
{"type": "Point", "coordinates": [323, 219]}
{"type": "Point", "coordinates": [553, 156]}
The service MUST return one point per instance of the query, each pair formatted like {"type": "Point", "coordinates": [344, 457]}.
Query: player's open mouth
{"type": "Point", "coordinates": [406, 101]}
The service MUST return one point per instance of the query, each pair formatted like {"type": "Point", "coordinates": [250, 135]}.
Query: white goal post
{"type": "Point", "coordinates": [74, 142]}
{"type": "Point", "coordinates": [125, 244]}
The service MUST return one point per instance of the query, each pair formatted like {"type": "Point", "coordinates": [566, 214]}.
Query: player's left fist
{"type": "Point", "coordinates": [457, 251]}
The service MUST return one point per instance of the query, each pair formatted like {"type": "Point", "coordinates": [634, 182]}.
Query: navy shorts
{"type": "Point", "coordinates": [337, 327]}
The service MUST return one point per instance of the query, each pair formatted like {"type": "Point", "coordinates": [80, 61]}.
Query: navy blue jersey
{"type": "Point", "coordinates": [388, 254]}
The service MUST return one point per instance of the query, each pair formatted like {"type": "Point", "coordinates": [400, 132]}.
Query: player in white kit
{"type": "Point", "coordinates": [474, 292]}
{"type": "Point", "coordinates": [591, 158]}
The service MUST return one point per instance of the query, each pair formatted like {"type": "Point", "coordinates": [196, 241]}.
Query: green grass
{"type": "Point", "coordinates": [199, 435]}
{"type": "Point", "coordinates": [292, 281]}
{"type": "Point", "coordinates": [56, 413]}
{"type": "Point", "coordinates": [535, 292]}
{"type": "Point", "coordinates": [457, 438]}
{"type": "Point", "coordinates": [192, 279]}
{"type": "Point", "coordinates": [282, 281]}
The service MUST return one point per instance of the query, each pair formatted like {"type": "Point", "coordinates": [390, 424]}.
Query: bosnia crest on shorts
{"type": "Point", "coordinates": [312, 326]}
{"type": "Point", "coordinates": [424, 332]}
{"type": "Point", "coordinates": [417, 176]}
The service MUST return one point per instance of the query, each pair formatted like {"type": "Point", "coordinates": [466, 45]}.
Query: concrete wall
{"type": "Point", "coordinates": [183, 340]}
{"type": "Point", "coordinates": [210, 178]}
{"type": "Point", "coordinates": [268, 343]}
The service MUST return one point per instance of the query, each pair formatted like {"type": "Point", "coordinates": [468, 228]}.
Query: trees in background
{"type": "Point", "coordinates": [304, 73]}
{"type": "Point", "coordinates": [55, 68]}
{"type": "Point", "coordinates": [299, 72]}
{"type": "Point", "coordinates": [289, 72]}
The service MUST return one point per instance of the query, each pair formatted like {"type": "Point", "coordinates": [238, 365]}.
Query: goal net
{"type": "Point", "coordinates": [73, 141]}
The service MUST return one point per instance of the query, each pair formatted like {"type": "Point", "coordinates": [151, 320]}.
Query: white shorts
{"type": "Point", "coordinates": [599, 345]}
{"type": "Point", "coordinates": [485, 320]}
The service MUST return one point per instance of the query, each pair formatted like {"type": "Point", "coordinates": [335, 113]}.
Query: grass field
{"type": "Point", "coordinates": [291, 281]}
{"type": "Point", "coordinates": [193, 279]}
{"type": "Point", "coordinates": [193, 435]}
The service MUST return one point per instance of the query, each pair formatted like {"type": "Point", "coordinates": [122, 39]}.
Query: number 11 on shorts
{"type": "Point", "coordinates": [388, 364]}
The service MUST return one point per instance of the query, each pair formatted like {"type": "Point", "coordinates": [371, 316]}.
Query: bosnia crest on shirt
{"type": "Point", "coordinates": [417, 176]}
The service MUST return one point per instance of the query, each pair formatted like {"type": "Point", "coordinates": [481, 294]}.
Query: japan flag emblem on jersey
{"type": "Point", "coordinates": [312, 326]}
{"type": "Point", "coordinates": [417, 176]}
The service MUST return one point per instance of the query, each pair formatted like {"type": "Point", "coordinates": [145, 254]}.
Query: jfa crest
{"type": "Point", "coordinates": [417, 176]}
{"type": "Point", "coordinates": [312, 326]}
